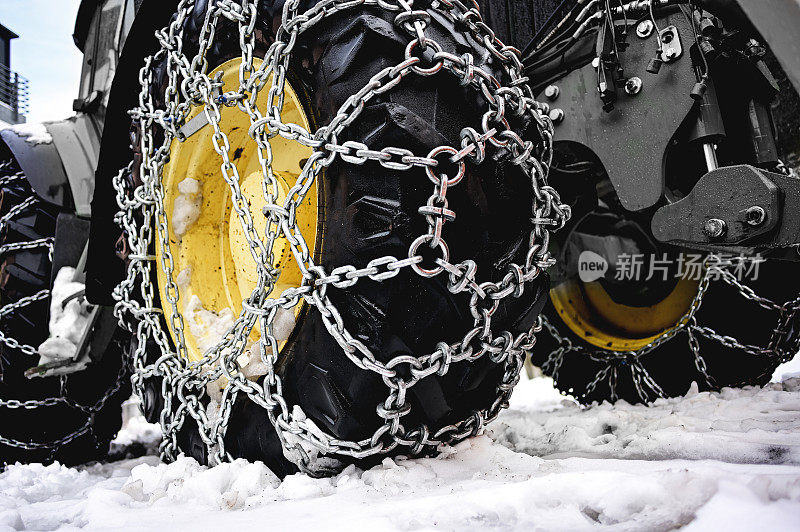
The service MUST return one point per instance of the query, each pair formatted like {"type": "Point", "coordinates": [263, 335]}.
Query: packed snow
{"type": "Point", "coordinates": [207, 327]}
{"type": "Point", "coordinates": [187, 206]}
{"type": "Point", "coordinates": [67, 322]}
{"type": "Point", "coordinates": [707, 461]}
{"type": "Point", "coordinates": [34, 133]}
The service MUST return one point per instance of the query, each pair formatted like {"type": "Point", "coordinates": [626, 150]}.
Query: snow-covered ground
{"type": "Point", "coordinates": [708, 461]}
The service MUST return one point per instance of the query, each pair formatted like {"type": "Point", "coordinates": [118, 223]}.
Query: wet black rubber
{"type": "Point", "coordinates": [367, 212]}
{"type": "Point", "coordinates": [24, 273]}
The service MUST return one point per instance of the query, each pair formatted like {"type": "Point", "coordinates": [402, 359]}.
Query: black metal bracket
{"type": "Point", "coordinates": [641, 119]}
{"type": "Point", "coordinates": [734, 207]}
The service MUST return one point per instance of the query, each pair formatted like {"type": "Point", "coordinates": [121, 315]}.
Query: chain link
{"type": "Point", "coordinates": [184, 383]}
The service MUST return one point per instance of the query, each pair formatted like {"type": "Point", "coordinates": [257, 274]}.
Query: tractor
{"type": "Point", "coordinates": [321, 232]}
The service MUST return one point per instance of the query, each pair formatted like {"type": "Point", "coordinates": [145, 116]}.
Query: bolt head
{"type": "Point", "coordinates": [644, 29]}
{"type": "Point", "coordinates": [552, 92]}
{"type": "Point", "coordinates": [633, 86]}
{"type": "Point", "coordinates": [670, 54]}
{"type": "Point", "coordinates": [755, 49]}
{"type": "Point", "coordinates": [714, 228]}
{"type": "Point", "coordinates": [556, 115]}
{"type": "Point", "coordinates": [755, 215]}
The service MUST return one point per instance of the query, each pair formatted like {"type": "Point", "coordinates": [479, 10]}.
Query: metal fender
{"type": "Point", "coordinates": [38, 158]}
{"type": "Point", "coordinates": [59, 160]}
{"type": "Point", "coordinates": [78, 143]}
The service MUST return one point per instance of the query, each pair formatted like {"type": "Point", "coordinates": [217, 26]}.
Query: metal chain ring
{"type": "Point", "coordinates": [142, 209]}
{"type": "Point", "coordinates": [782, 345]}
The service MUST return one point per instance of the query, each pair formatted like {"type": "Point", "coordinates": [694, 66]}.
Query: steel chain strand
{"type": "Point", "coordinates": [86, 428]}
{"type": "Point", "coordinates": [9, 308]}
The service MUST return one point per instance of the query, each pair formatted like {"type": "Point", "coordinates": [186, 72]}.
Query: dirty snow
{"type": "Point", "coordinates": [68, 323]}
{"type": "Point", "coordinates": [34, 133]}
{"type": "Point", "coordinates": [707, 461]}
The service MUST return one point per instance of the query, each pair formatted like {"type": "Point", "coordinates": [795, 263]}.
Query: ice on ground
{"type": "Point", "coordinates": [67, 322]}
{"type": "Point", "coordinates": [186, 207]}
{"type": "Point", "coordinates": [708, 461]}
{"type": "Point", "coordinates": [34, 133]}
{"type": "Point", "coordinates": [750, 425]}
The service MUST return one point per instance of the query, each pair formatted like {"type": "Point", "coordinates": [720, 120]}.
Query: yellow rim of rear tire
{"type": "Point", "coordinates": [213, 266]}
{"type": "Point", "coordinates": [589, 312]}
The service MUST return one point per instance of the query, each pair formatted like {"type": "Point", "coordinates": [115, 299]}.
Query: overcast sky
{"type": "Point", "coordinates": [45, 53]}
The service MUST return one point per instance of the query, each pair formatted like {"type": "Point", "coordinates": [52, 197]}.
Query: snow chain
{"type": "Point", "coordinates": [12, 343]}
{"type": "Point", "coordinates": [783, 344]}
{"type": "Point", "coordinates": [142, 208]}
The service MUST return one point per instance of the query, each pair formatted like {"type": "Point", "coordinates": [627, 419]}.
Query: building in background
{"type": "Point", "coordinates": [13, 87]}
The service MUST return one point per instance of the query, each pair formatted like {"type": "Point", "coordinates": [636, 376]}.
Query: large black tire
{"type": "Point", "coordinates": [673, 366]}
{"type": "Point", "coordinates": [83, 412]}
{"type": "Point", "coordinates": [368, 212]}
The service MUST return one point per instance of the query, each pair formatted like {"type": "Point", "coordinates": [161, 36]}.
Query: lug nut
{"type": "Point", "coordinates": [644, 29]}
{"type": "Point", "coordinates": [557, 116]}
{"type": "Point", "coordinates": [755, 215]}
{"type": "Point", "coordinates": [633, 86]}
{"type": "Point", "coordinates": [714, 228]}
{"type": "Point", "coordinates": [552, 92]}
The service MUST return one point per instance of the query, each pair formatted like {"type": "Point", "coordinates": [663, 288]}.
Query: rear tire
{"type": "Point", "coordinates": [77, 424]}
{"type": "Point", "coordinates": [673, 366]}
{"type": "Point", "coordinates": [368, 211]}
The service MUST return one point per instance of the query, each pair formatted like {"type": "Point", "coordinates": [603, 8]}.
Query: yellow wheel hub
{"type": "Point", "coordinates": [588, 310]}
{"type": "Point", "coordinates": [213, 265]}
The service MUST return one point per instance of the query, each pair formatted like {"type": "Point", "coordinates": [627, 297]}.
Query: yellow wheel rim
{"type": "Point", "coordinates": [213, 265]}
{"type": "Point", "coordinates": [589, 312]}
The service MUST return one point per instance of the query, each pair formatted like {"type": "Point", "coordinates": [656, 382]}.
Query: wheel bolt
{"type": "Point", "coordinates": [714, 228]}
{"type": "Point", "coordinates": [755, 215]}
{"type": "Point", "coordinates": [633, 86]}
{"type": "Point", "coordinates": [552, 92]}
{"type": "Point", "coordinates": [557, 116]}
{"type": "Point", "coordinates": [644, 29]}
